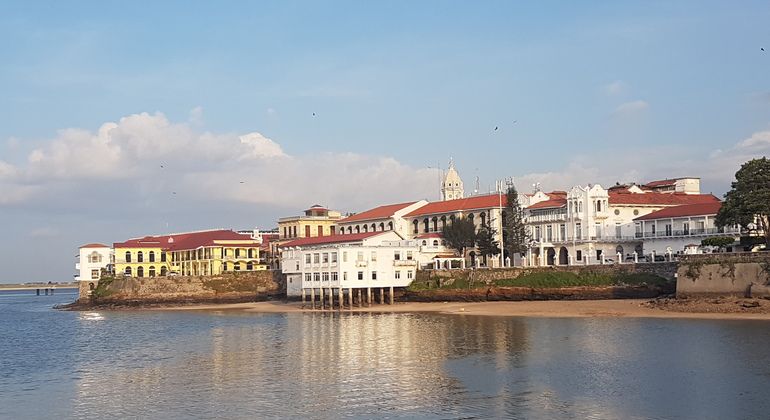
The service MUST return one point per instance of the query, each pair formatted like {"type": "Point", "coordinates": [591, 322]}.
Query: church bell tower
{"type": "Point", "coordinates": [452, 186]}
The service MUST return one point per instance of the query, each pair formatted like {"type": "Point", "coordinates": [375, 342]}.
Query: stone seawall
{"type": "Point", "coordinates": [666, 270]}
{"type": "Point", "coordinates": [540, 293]}
{"type": "Point", "coordinates": [230, 287]}
{"type": "Point", "coordinates": [724, 274]}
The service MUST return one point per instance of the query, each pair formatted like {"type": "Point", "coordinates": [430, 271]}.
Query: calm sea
{"type": "Point", "coordinates": [233, 365]}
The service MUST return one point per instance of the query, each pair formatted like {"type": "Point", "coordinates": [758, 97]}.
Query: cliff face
{"type": "Point", "coordinates": [230, 287]}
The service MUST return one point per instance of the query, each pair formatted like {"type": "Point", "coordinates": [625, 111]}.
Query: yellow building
{"type": "Point", "coordinates": [192, 253]}
{"type": "Point", "coordinates": [317, 221]}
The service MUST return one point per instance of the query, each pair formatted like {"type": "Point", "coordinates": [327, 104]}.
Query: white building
{"type": "Point", "coordinates": [452, 185]}
{"type": "Point", "coordinates": [383, 218]}
{"type": "Point", "coordinates": [92, 258]}
{"type": "Point", "coordinates": [680, 229]}
{"type": "Point", "coordinates": [350, 262]}
{"type": "Point", "coordinates": [591, 225]}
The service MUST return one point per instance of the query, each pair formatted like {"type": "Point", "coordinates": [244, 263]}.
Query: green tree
{"type": "Point", "coordinates": [486, 242]}
{"type": "Point", "coordinates": [748, 202]}
{"type": "Point", "coordinates": [460, 235]}
{"type": "Point", "coordinates": [719, 241]}
{"type": "Point", "coordinates": [516, 238]}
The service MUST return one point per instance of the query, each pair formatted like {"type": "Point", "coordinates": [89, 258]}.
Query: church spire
{"type": "Point", "coordinates": [452, 186]}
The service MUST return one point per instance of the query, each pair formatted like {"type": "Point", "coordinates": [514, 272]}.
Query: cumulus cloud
{"type": "Point", "coordinates": [147, 161]}
{"type": "Point", "coordinates": [196, 116]}
{"type": "Point", "coordinates": [631, 108]}
{"type": "Point", "coordinates": [615, 88]}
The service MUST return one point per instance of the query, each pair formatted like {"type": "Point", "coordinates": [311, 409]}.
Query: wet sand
{"type": "Point", "coordinates": [625, 308]}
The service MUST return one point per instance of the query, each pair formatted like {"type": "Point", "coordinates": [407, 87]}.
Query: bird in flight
{"type": "Point", "coordinates": [173, 192]}
{"type": "Point", "coordinates": [314, 114]}
{"type": "Point", "coordinates": [242, 182]}
{"type": "Point", "coordinates": [495, 128]}
{"type": "Point", "coordinates": [515, 121]}
{"type": "Point", "coordinates": [762, 48]}
{"type": "Point", "coordinates": [161, 166]}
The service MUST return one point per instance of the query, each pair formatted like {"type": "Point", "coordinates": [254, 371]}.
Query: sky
{"type": "Point", "coordinates": [121, 119]}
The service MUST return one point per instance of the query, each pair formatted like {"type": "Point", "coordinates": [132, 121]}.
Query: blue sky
{"type": "Point", "coordinates": [599, 92]}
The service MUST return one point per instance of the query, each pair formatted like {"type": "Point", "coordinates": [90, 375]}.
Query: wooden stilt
{"type": "Point", "coordinates": [368, 296]}
{"type": "Point", "coordinates": [312, 298]}
{"type": "Point", "coordinates": [303, 298]}
{"type": "Point", "coordinates": [340, 296]}
{"type": "Point", "coordinates": [390, 293]}
{"type": "Point", "coordinates": [360, 301]}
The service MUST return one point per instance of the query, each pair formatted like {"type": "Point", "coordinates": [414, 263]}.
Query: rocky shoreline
{"type": "Point", "coordinates": [720, 304]}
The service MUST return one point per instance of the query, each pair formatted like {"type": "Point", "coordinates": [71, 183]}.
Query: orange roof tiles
{"type": "Point", "coordinates": [660, 199]}
{"type": "Point", "coordinates": [701, 209]}
{"type": "Point", "coordinates": [95, 245]}
{"type": "Point", "coordinates": [189, 240]}
{"type": "Point", "coordinates": [552, 203]}
{"type": "Point", "coordinates": [380, 212]}
{"type": "Point", "coordinates": [334, 239]}
{"type": "Point", "coordinates": [461, 204]}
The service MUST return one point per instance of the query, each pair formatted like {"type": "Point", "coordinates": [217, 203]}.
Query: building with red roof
{"type": "Point", "coordinates": [201, 253]}
{"type": "Point", "coordinates": [91, 260]}
{"type": "Point", "coordinates": [382, 218]}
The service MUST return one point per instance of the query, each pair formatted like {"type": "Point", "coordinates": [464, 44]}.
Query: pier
{"type": "Point", "coordinates": [346, 298]}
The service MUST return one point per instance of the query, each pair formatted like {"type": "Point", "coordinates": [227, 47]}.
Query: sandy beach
{"type": "Point", "coordinates": [629, 308]}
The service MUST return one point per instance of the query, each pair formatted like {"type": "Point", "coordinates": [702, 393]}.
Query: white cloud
{"type": "Point", "coordinates": [7, 170]}
{"type": "Point", "coordinates": [259, 146]}
{"type": "Point", "coordinates": [196, 116]}
{"type": "Point", "coordinates": [271, 112]}
{"type": "Point", "coordinates": [631, 108]}
{"type": "Point", "coordinates": [758, 141]}
{"type": "Point", "coordinates": [615, 88]}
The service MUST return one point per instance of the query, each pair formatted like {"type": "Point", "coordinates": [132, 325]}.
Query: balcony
{"type": "Point", "coordinates": [404, 263]}
{"type": "Point", "coordinates": [361, 264]}
{"type": "Point", "coordinates": [688, 233]}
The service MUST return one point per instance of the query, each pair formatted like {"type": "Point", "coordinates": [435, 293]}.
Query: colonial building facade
{"type": "Point", "coordinates": [92, 259]}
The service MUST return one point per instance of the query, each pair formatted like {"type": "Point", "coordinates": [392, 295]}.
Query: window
{"type": "Point", "coordinates": [398, 274]}
{"type": "Point", "coordinates": [579, 255]}
{"type": "Point", "coordinates": [360, 275]}
{"type": "Point", "coordinates": [316, 258]}
{"type": "Point", "coordinates": [320, 231]}
{"type": "Point", "coordinates": [162, 257]}
{"type": "Point", "coordinates": [537, 233]}
{"type": "Point", "coordinates": [152, 271]}
{"type": "Point", "coordinates": [344, 256]}
{"type": "Point", "coordinates": [618, 230]}
{"type": "Point", "coordinates": [307, 258]}
{"type": "Point", "coordinates": [325, 276]}
{"type": "Point", "coordinates": [408, 255]}
{"type": "Point", "coordinates": [345, 276]}
{"type": "Point", "coordinates": [237, 266]}
{"type": "Point", "coordinates": [94, 274]}
{"type": "Point", "coordinates": [335, 276]}
{"type": "Point", "coordinates": [668, 230]}
{"type": "Point", "coordinates": [599, 232]}
{"type": "Point", "coordinates": [127, 272]}
{"type": "Point", "coordinates": [424, 242]}
{"type": "Point", "coordinates": [325, 258]}
{"type": "Point", "coordinates": [163, 271]}
{"type": "Point", "coordinates": [374, 255]}
{"type": "Point", "coordinates": [435, 242]}
{"type": "Point", "coordinates": [562, 232]}
{"type": "Point", "coordinates": [686, 228]}
{"type": "Point", "coordinates": [653, 228]}
{"type": "Point", "coordinates": [317, 276]}
{"type": "Point", "coordinates": [549, 233]}
{"type": "Point", "coordinates": [308, 277]}
{"type": "Point", "coordinates": [152, 257]}
{"type": "Point", "coordinates": [249, 266]}
{"type": "Point", "coordinates": [416, 226]}
{"type": "Point", "coordinates": [409, 274]}
{"type": "Point", "coordinates": [139, 257]}
{"type": "Point", "coordinates": [617, 212]}
{"type": "Point", "coordinates": [374, 275]}
{"type": "Point", "coordinates": [334, 258]}
{"type": "Point", "coordinates": [237, 252]}
{"type": "Point", "coordinates": [599, 205]}
{"type": "Point", "coordinates": [360, 256]}
{"type": "Point", "coordinates": [397, 255]}
{"type": "Point", "coordinates": [224, 267]}
{"type": "Point", "coordinates": [140, 272]}
{"type": "Point", "coordinates": [636, 212]}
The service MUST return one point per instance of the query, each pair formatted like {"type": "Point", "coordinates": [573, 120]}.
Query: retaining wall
{"type": "Point", "coordinates": [724, 274]}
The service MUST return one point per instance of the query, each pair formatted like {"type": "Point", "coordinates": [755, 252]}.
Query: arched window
{"type": "Point", "coordinates": [139, 257]}
{"type": "Point", "coordinates": [152, 257]}
{"type": "Point", "coordinates": [435, 242]}
{"type": "Point", "coordinates": [471, 217]}
{"type": "Point", "coordinates": [424, 242]}
{"type": "Point", "coordinates": [416, 226]}
{"type": "Point", "coordinates": [128, 258]}
{"type": "Point", "coordinates": [452, 218]}
{"type": "Point", "coordinates": [127, 272]}
{"type": "Point", "coordinates": [382, 226]}
{"type": "Point", "coordinates": [237, 267]}
{"type": "Point", "coordinates": [224, 266]}
{"type": "Point", "coordinates": [426, 224]}
{"type": "Point", "coordinates": [152, 271]}
{"type": "Point", "coordinates": [390, 225]}
{"type": "Point", "coordinates": [163, 271]}
{"type": "Point", "coordinates": [237, 252]}
{"type": "Point", "coordinates": [366, 228]}
{"type": "Point", "coordinates": [374, 227]}
{"type": "Point", "coordinates": [251, 252]}
{"type": "Point", "coordinates": [599, 205]}
{"type": "Point", "coordinates": [358, 229]}
{"type": "Point", "coordinates": [140, 271]}
{"type": "Point", "coordinates": [483, 217]}
{"type": "Point", "coordinates": [249, 266]}
{"type": "Point", "coordinates": [435, 223]}
{"type": "Point", "coordinates": [443, 222]}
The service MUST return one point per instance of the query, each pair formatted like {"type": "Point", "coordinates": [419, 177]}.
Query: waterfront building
{"type": "Point", "coordinates": [92, 259]}
{"type": "Point", "coordinates": [350, 263]}
{"type": "Point", "coordinates": [680, 229]}
{"type": "Point", "coordinates": [317, 221]}
{"type": "Point", "coordinates": [593, 225]}
{"type": "Point", "coordinates": [383, 218]}
{"type": "Point", "coordinates": [202, 253]}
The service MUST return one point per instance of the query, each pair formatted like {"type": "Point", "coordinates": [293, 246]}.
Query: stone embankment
{"type": "Point", "coordinates": [493, 293]}
{"type": "Point", "coordinates": [167, 291]}
{"type": "Point", "coordinates": [745, 274]}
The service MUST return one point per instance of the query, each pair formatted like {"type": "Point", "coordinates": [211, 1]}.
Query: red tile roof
{"type": "Point", "coordinates": [660, 199]}
{"type": "Point", "coordinates": [460, 204]}
{"type": "Point", "coordinates": [188, 240]}
{"type": "Point", "coordinates": [661, 183]}
{"type": "Point", "coordinates": [702, 209]}
{"type": "Point", "coordinates": [380, 212]}
{"type": "Point", "coordinates": [333, 239]}
{"type": "Point", "coordinates": [95, 245]}
{"type": "Point", "coordinates": [547, 204]}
